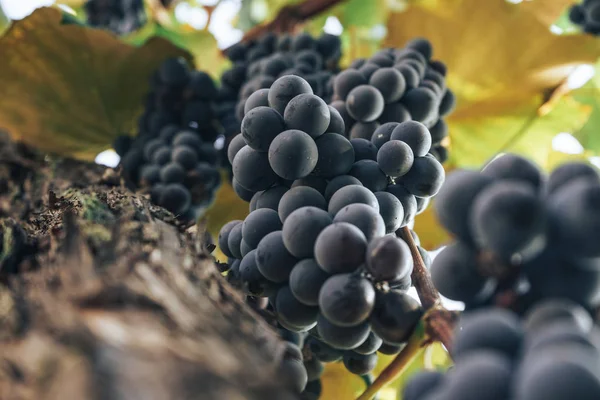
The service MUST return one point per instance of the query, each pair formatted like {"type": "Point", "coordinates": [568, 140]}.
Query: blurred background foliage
{"type": "Point", "coordinates": [526, 81]}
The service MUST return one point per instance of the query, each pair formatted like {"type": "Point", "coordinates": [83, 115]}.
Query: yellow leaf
{"type": "Point", "coordinates": [431, 234]}
{"type": "Point", "coordinates": [547, 11]}
{"type": "Point", "coordinates": [71, 90]}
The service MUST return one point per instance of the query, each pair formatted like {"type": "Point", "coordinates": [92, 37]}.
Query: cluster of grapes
{"type": "Point", "coordinates": [319, 241]}
{"type": "Point", "coordinates": [587, 16]}
{"type": "Point", "coordinates": [257, 64]}
{"type": "Point", "coordinates": [395, 85]}
{"type": "Point", "coordinates": [552, 354]}
{"type": "Point", "coordinates": [118, 16]}
{"type": "Point", "coordinates": [174, 155]}
{"type": "Point", "coordinates": [522, 236]}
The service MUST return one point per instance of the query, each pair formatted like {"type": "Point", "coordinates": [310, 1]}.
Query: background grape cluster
{"type": "Point", "coordinates": [173, 156]}
{"type": "Point", "coordinates": [552, 353]}
{"type": "Point", "coordinates": [320, 240]}
{"type": "Point", "coordinates": [522, 237]}
{"type": "Point", "coordinates": [409, 86]}
{"type": "Point", "coordinates": [587, 16]}
{"type": "Point", "coordinates": [118, 16]}
{"type": "Point", "coordinates": [256, 65]}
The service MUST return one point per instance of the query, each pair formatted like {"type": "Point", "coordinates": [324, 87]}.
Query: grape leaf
{"type": "Point", "coordinates": [589, 94]}
{"type": "Point", "coordinates": [71, 90]}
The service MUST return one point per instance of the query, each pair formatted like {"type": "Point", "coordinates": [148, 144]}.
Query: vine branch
{"type": "Point", "coordinates": [290, 16]}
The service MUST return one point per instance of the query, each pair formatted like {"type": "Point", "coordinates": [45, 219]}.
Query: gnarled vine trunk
{"type": "Point", "coordinates": [104, 296]}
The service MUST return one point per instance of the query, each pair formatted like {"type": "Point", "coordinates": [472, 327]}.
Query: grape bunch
{"type": "Point", "coordinates": [521, 236]}
{"type": "Point", "coordinates": [119, 16]}
{"type": "Point", "coordinates": [552, 353]}
{"type": "Point", "coordinates": [394, 86]}
{"type": "Point", "coordinates": [257, 64]}
{"type": "Point", "coordinates": [587, 16]}
{"type": "Point", "coordinates": [320, 241]}
{"type": "Point", "coordinates": [173, 155]}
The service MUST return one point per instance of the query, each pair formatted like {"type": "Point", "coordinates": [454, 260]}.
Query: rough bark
{"type": "Point", "coordinates": [104, 296]}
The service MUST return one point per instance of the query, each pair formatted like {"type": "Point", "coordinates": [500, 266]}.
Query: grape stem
{"type": "Point", "coordinates": [290, 16]}
{"type": "Point", "coordinates": [415, 345]}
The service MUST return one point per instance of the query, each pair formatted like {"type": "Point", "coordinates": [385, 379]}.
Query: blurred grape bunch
{"type": "Point", "coordinates": [119, 16]}
{"type": "Point", "coordinates": [587, 16]}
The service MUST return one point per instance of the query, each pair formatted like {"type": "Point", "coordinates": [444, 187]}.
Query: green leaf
{"type": "Point", "coordinates": [589, 94]}
{"type": "Point", "coordinates": [4, 20]}
{"type": "Point", "coordinates": [364, 13]}
{"type": "Point", "coordinates": [69, 89]}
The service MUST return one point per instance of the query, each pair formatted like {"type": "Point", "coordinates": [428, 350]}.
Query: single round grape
{"type": "Point", "coordinates": [414, 134]}
{"type": "Point", "coordinates": [487, 329]}
{"type": "Point", "coordinates": [368, 70]}
{"type": "Point", "coordinates": [347, 80]}
{"type": "Point", "coordinates": [236, 144]}
{"type": "Point", "coordinates": [150, 175]}
{"type": "Point", "coordinates": [336, 122]}
{"type": "Point", "coordinates": [234, 241]}
{"type": "Point", "coordinates": [395, 158]}
{"type": "Point", "coordinates": [421, 384]}
{"type": "Point", "coordinates": [292, 375]}
{"type": "Point", "coordinates": [369, 174]}
{"type": "Point", "coordinates": [306, 280]}
{"type": "Point", "coordinates": [508, 218]}
{"type": "Point", "coordinates": [514, 167]}
{"type": "Point", "coordinates": [335, 155]}
{"type": "Point", "coordinates": [455, 201]}
{"type": "Point", "coordinates": [297, 197]}
{"type": "Point", "coordinates": [421, 103]}
{"type": "Point", "coordinates": [285, 89]}
{"type": "Point", "coordinates": [290, 310]}
{"type": "Point", "coordinates": [340, 106]}
{"type": "Point", "coordinates": [394, 112]}
{"type": "Point", "coordinates": [439, 131]}
{"type": "Point", "coordinates": [390, 82]}
{"type": "Point", "coordinates": [271, 197]}
{"type": "Point", "coordinates": [566, 173]}
{"type": "Point", "coordinates": [492, 372]}
{"type": "Point", "coordinates": [351, 194]}
{"type": "Point", "coordinates": [391, 210]}
{"type": "Point", "coordinates": [360, 364]}
{"type": "Point", "coordinates": [176, 198]}
{"type": "Point", "coordinates": [260, 126]}
{"type": "Point", "coordinates": [370, 345]}
{"type": "Point", "coordinates": [293, 154]}
{"type": "Point", "coordinates": [553, 311]}
{"type": "Point", "coordinates": [425, 178]}
{"type": "Point", "coordinates": [301, 229]}
{"type": "Point", "coordinates": [383, 59]}
{"type": "Point", "coordinates": [187, 138]}
{"type": "Point", "coordinates": [314, 368]}
{"type": "Point", "coordinates": [408, 200]}
{"type": "Point", "coordinates": [410, 74]}
{"type": "Point", "coordinates": [308, 113]}
{"type": "Point", "coordinates": [224, 237]}
{"type": "Point", "coordinates": [322, 351]}
{"type": "Point", "coordinates": [339, 182]}
{"type": "Point", "coordinates": [447, 104]}
{"type": "Point", "coordinates": [339, 337]}
{"type": "Point", "coordinates": [172, 172]}
{"type": "Point", "coordinates": [389, 259]}
{"type": "Point", "coordinates": [454, 273]}
{"type": "Point", "coordinates": [274, 261]}
{"type": "Point", "coordinates": [422, 204]}
{"type": "Point", "coordinates": [340, 247]}
{"type": "Point", "coordinates": [241, 191]}
{"type": "Point", "coordinates": [363, 130]}
{"type": "Point", "coordinates": [346, 299]}
{"type": "Point", "coordinates": [259, 98]}
{"type": "Point", "coordinates": [383, 134]}
{"type": "Point", "coordinates": [253, 282]}
{"type": "Point", "coordinates": [258, 224]}
{"type": "Point", "coordinates": [156, 192]}
{"type": "Point", "coordinates": [395, 316]}
{"type": "Point", "coordinates": [316, 182]}
{"type": "Point", "coordinates": [364, 149]}
{"type": "Point", "coordinates": [421, 45]}
{"type": "Point", "coordinates": [364, 217]}
{"type": "Point", "coordinates": [252, 170]}
{"type": "Point", "coordinates": [365, 103]}
{"type": "Point", "coordinates": [408, 53]}
{"type": "Point", "coordinates": [185, 156]}
{"type": "Point", "coordinates": [161, 156]}
{"type": "Point", "coordinates": [575, 215]}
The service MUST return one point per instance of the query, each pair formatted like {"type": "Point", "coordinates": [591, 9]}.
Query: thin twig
{"type": "Point", "coordinates": [413, 348]}
{"type": "Point", "coordinates": [421, 278]}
